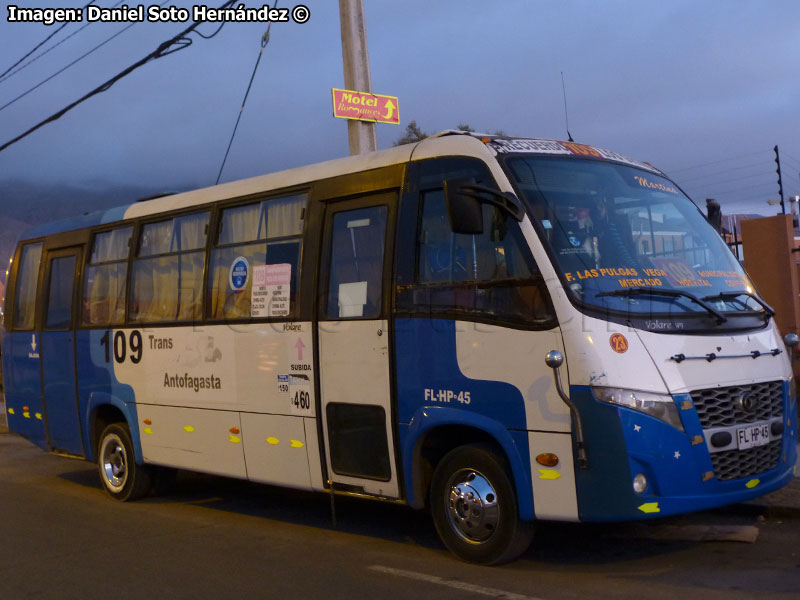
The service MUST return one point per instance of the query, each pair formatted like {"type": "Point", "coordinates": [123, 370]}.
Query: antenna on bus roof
{"type": "Point", "coordinates": [566, 115]}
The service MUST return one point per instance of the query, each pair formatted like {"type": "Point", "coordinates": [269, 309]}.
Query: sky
{"type": "Point", "coordinates": [702, 90]}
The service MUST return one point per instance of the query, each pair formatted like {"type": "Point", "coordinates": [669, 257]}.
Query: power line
{"type": "Point", "coordinates": [74, 62]}
{"type": "Point", "coordinates": [739, 168]}
{"type": "Point", "coordinates": [40, 44]}
{"type": "Point", "coordinates": [714, 162]}
{"type": "Point", "coordinates": [180, 41]}
{"type": "Point", "coordinates": [264, 42]}
{"type": "Point", "coordinates": [737, 189]}
{"type": "Point", "coordinates": [728, 180]}
{"type": "Point", "coordinates": [51, 48]}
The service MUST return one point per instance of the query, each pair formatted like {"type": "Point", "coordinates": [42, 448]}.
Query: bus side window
{"type": "Point", "coordinates": [104, 282]}
{"type": "Point", "coordinates": [27, 279]}
{"type": "Point", "coordinates": [167, 276]}
{"type": "Point", "coordinates": [252, 236]}
{"type": "Point", "coordinates": [491, 274]}
{"type": "Point", "coordinates": [356, 269]}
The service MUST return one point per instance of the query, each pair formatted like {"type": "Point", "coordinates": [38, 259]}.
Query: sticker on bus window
{"type": "Point", "coordinates": [352, 298]}
{"type": "Point", "coordinates": [358, 223]}
{"type": "Point", "coordinates": [271, 294]}
{"type": "Point", "coordinates": [239, 274]}
{"type": "Point", "coordinates": [679, 273]}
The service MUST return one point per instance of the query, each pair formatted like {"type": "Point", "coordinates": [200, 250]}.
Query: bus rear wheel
{"type": "Point", "coordinates": [474, 507]}
{"type": "Point", "coordinates": [121, 477]}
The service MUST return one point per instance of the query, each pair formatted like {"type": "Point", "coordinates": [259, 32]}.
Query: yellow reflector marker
{"type": "Point", "coordinates": [549, 474]}
{"type": "Point", "coordinates": [27, 415]}
{"type": "Point", "coordinates": [11, 411]}
{"type": "Point", "coordinates": [38, 416]}
{"type": "Point", "coordinates": [188, 428]}
{"type": "Point", "coordinates": [708, 476]}
{"type": "Point", "coordinates": [234, 439]}
{"type": "Point", "coordinates": [273, 441]}
{"type": "Point", "coordinates": [686, 405]}
{"type": "Point", "coordinates": [698, 439]}
{"type": "Point", "coordinates": [148, 430]}
{"type": "Point", "coordinates": [296, 443]}
{"type": "Point", "coordinates": [650, 507]}
{"type": "Point", "coordinates": [752, 483]}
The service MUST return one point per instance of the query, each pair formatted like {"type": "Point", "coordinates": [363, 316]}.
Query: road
{"type": "Point", "coordinates": [61, 537]}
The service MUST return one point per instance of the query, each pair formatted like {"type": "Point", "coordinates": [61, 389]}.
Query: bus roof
{"type": "Point", "coordinates": [445, 143]}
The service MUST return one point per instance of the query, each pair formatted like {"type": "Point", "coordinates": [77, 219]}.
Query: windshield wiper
{"type": "Point", "coordinates": [648, 291]}
{"type": "Point", "coordinates": [733, 295]}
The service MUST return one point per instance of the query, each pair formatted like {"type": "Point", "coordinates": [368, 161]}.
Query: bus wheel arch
{"type": "Point", "coordinates": [433, 445]}
{"type": "Point", "coordinates": [432, 434]}
{"type": "Point", "coordinates": [103, 415]}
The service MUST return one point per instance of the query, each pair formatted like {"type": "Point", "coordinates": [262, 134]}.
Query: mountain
{"type": "Point", "coordinates": [25, 203]}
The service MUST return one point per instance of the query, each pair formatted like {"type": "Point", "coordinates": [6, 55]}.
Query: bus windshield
{"type": "Point", "coordinates": [629, 240]}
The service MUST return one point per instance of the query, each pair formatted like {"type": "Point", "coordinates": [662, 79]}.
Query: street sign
{"type": "Point", "coordinates": [365, 106]}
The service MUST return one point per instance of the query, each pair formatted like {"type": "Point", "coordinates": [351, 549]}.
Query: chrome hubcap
{"type": "Point", "coordinates": [472, 506]}
{"type": "Point", "coordinates": [114, 462]}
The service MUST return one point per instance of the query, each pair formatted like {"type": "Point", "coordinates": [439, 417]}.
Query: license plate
{"type": "Point", "coordinates": [752, 436]}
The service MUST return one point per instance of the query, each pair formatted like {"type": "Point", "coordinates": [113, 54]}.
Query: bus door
{"type": "Point", "coordinates": [354, 343]}
{"type": "Point", "coordinates": [59, 383]}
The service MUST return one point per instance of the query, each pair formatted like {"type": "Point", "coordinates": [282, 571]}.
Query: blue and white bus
{"type": "Point", "coordinates": [393, 326]}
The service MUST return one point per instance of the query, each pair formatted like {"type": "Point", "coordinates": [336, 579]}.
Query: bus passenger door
{"type": "Point", "coordinates": [59, 385]}
{"type": "Point", "coordinates": [354, 344]}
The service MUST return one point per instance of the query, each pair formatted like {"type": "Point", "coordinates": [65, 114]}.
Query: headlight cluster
{"type": "Point", "coordinates": [660, 406]}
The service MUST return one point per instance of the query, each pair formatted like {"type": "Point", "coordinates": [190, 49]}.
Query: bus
{"type": "Point", "coordinates": [499, 330]}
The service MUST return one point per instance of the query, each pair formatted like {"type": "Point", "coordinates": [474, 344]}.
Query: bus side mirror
{"type": "Point", "coordinates": [464, 199]}
{"type": "Point", "coordinates": [463, 209]}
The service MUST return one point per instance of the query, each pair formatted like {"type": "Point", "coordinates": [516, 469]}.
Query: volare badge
{"type": "Point", "coordinates": [618, 343]}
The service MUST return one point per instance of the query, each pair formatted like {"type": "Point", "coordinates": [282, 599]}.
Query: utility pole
{"type": "Point", "coordinates": [355, 59]}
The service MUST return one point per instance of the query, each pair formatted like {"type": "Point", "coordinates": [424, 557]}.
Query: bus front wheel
{"type": "Point", "coordinates": [474, 506]}
{"type": "Point", "coordinates": [122, 478]}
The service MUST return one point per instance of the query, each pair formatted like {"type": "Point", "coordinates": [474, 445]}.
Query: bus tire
{"type": "Point", "coordinates": [474, 506]}
{"type": "Point", "coordinates": [121, 477]}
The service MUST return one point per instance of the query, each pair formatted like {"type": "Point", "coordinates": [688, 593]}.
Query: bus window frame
{"type": "Point", "coordinates": [12, 283]}
{"type": "Point", "coordinates": [215, 229]}
{"type": "Point", "coordinates": [86, 263]}
{"type": "Point", "coordinates": [407, 277]}
{"type": "Point", "coordinates": [133, 256]}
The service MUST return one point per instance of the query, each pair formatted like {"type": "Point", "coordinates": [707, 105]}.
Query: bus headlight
{"type": "Point", "coordinates": [660, 406]}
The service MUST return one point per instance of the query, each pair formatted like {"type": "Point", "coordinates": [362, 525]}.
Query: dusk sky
{"type": "Point", "coordinates": [703, 90]}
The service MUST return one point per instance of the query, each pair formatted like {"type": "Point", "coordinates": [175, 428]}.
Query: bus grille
{"type": "Point", "coordinates": [735, 464]}
{"type": "Point", "coordinates": [720, 407]}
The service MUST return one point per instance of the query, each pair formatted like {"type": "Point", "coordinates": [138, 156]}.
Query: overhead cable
{"type": "Point", "coordinates": [174, 44]}
{"type": "Point", "coordinates": [44, 41]}
{"type": "Point", "coordinates": [715, 162]}
{"type": "Point", "coordinates": [264, 42]}
{"type": "Point", "coordinates": [50, 49]}
{"type": "Point", "coordinates": [74, 62]}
